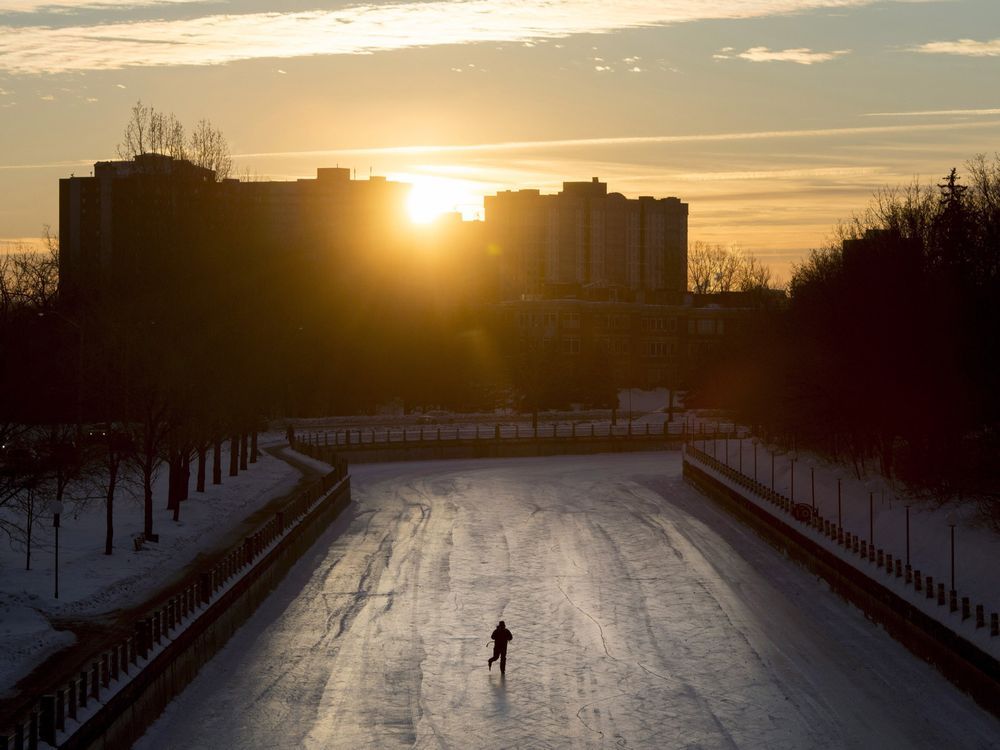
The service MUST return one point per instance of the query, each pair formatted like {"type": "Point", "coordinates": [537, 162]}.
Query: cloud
{"type": "Point", "coordinates": [938, 113]}
{"type": "Point", "coordinates": [54, 6]}
{"type": "Point", "coordinates": [360, 29]}
{"type": "Point", "coordinates": [636, 140]}
{"type": "Point", "coordinates": [966, 47]}
{"type": "Point", "coordinates": [799, 55]}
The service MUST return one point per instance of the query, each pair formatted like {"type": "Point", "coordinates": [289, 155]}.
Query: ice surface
{"type": "Point", "coordinates": [643, 616]}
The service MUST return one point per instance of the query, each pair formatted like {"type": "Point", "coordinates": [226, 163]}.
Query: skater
{"type": "Point", "coordinates": [500, 638]}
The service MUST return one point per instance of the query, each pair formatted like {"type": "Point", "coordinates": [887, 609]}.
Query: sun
{"type": "Point", "coordinates": [428, 200]}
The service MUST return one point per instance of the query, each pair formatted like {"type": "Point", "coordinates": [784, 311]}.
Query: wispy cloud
{"type": "Point", "coordinates": [217, 39]}
{"type": "Point", "coordinates": [634, 140]}
{"type": "Point", "coordinates": [966, 47]}
{"type": "Point", "coordinates": [777, 174]}
{"type": "Point", "coordinates": [799, 55]}
{"type": "Point", "coordinates": [55, 6]}
{"type": "Point", "coordinates": [938, 113]}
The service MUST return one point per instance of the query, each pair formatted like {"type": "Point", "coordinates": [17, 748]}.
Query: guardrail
{"type": "Point", "coordinates": [61, 710]}
{"type": "Point", "coordinates": [371, 437]}
{"type": "Point", "coordinates": [931, 638]}
{"type": "Point", "coordinates": [807, 515]}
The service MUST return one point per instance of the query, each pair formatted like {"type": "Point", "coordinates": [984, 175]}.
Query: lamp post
{"type": "Point", "coordinates": [793, 457]}
{"type": "Point", "coordinates": [951, 523]}
{"type": "Point", "coordinates": [907, 535]}
{"type": "Point", "coordinates": [57, 509]}
{"type": "Point", "coordinates": [771, 449]}
{"type": "Point", "coordinates": [812, 485]}
{"type": "Point", "coordinates": [871, 517]}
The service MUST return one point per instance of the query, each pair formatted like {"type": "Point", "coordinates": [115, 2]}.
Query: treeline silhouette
{"type": "Point", "coordinates": [889, 347]}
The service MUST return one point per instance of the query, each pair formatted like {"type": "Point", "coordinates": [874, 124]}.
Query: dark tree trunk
{"type": "Point", "coordinates": [200, 487]}
{"type": "Point", "coordinates": [234, 455]}
{"type": "Point", "coordinates": [253, 447]}
{"type": "Point", "coordinates": [174, 480]}
{"type": "Point", "coordinates": [244, 444]}
{"type": "Point", "coordinates": [217, 461]}
{"type": "Point", "coordinates": [185, 489]}
{"type": "Point", "coordinates": [109, 507]}
{"type": "Point", "coordinates": [147, 501]}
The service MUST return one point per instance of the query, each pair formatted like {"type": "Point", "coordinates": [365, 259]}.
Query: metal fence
{"type": "Point", "coordinates": [362, 437]}
{"type": "Point", "coordinates": [872, 557]}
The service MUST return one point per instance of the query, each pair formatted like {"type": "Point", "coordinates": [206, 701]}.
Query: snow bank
{"type": "Point", "coordinates": [92, 584]}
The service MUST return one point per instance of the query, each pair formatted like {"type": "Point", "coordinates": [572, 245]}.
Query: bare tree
{"type": "Point", "coordinates": [753, 275]}
{"type": "Point", "coordinates": [209, 149]}
{"type": "Point", "coordinates": [714, 268]}
{"type": "Point", "coordinates": [29, 279]}
{"type": "Point", "coordinates": [137, 138]}
{"type": "Point", "coordinates": [703, 262]}
{"type": "Point", "coordinates": [151, 132]}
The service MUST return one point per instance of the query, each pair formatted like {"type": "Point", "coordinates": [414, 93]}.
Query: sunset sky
{"type": "Point", "coordinates": [771, 118]}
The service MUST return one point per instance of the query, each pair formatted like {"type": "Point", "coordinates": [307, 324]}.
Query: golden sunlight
{"type": "Point", "coordinates": [430, 197]}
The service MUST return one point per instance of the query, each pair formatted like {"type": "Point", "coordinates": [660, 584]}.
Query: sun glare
{"type": "Point", "coordinates": [427, 201]}
{"type": "Point", "coordinates": [430, 197]}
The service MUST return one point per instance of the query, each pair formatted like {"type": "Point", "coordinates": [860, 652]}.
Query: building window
{"type": "Point", "coordinates": [571, 320]}
{"type": "Point", "coordinates": [655, 348]}
{"type": "Point", "coordinates": [571, 346]}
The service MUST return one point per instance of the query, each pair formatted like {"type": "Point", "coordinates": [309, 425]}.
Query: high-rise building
{"type": "Point", "coordinates": [586, 243]}
{"type": "Point", "coordinates": [143, 221]}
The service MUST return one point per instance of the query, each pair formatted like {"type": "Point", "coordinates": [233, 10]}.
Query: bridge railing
{"type": "Point", "coordinates": [370, 437]}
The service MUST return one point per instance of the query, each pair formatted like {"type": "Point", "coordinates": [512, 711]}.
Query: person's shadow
{"type": "Point", "coordinates": [500, 695]}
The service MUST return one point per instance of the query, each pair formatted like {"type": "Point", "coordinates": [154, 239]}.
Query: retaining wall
{"type": "Point", "coordinates": [966, 665]}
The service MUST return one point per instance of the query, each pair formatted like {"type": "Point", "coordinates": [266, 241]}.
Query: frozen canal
{"type": "Point", "coordinates": [642, 617]}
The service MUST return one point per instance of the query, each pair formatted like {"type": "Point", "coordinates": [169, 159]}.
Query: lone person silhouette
{"type": "Point", "coordinates": [500, 637]}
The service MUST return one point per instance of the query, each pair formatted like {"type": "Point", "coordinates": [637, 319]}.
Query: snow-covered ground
{"type": "Point", "coordinates": [92, 584]}
{"type": "Point", "coordinates": [643, 616]}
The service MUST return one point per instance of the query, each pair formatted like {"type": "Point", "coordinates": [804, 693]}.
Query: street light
{"type": "Point", "coordinates": [771, 449]}
{"type": "Point", "coordinates": [871, 517]}
{"type": "Point", "coordinates": [812, 484]}
{"type": "Point", "coordinates": [907, 535]}
{"type": "Point", "coordinates": [57, 509]}
{"type": "Point", "coordinates": [951, 523]}
{"type": "Point", "coordinates": [793, 457]}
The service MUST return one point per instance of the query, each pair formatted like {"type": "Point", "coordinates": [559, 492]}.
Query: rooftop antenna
{"type": "Point", "coordinates": [369, 172]}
